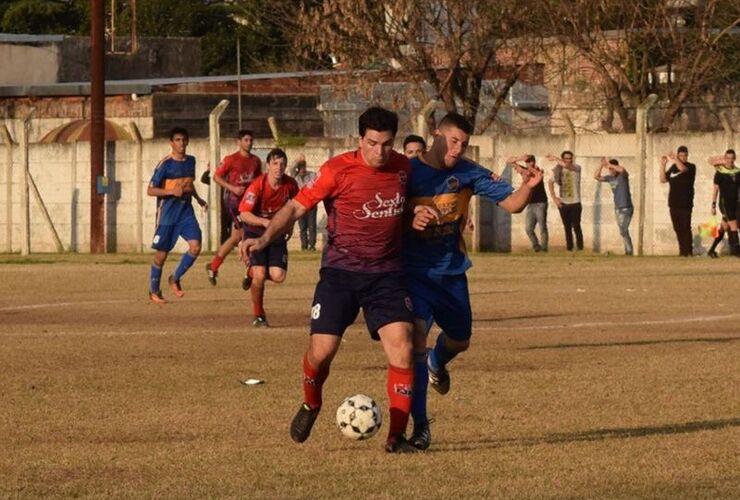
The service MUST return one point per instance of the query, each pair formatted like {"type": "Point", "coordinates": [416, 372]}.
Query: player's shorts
{"type": "Point", "coordinates": [728, 207]}
{"type": "Point", "coordinates": [444, 300]}
{"type": "Point", "coordinates": [340, 294]}
{"type": "Point", "coordinates": [231, 206]}
{"type": "Point", "coordinates": [273, 255]}
{"type": "Point", "coordinates": [165, 237]}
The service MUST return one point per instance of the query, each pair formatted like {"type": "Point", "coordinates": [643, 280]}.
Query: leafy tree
{"type": "Point", "coordinates": [43, 16]}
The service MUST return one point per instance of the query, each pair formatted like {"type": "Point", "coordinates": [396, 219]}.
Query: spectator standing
{"type": "Point", "coordinates": [567, 175]}
{"type": "Point", "coordinates": [307, 223]}
{"type": "Point", "coordinates": [680, 178]}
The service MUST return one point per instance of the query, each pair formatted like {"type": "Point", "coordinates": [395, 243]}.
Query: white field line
{"type": "Point", "coordinates": [592, 324]}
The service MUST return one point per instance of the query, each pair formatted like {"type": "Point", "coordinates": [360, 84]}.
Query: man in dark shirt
{"type": "Point", "coordinates": [537, 208]}
{"type": "Point", "coordinates": [680, 177]}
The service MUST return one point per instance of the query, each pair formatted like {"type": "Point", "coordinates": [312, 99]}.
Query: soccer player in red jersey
{"type": "Point", "coordinates": [364, 192]}
{"type": "Point", "coordinates": [234, 174]}
{"type": "Point", "coordinates": [263, 198]}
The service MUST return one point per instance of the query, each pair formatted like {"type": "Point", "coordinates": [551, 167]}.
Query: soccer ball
{"type": "Point", "coordinates": [359, 417]}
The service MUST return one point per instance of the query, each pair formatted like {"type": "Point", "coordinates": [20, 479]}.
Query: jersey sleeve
{"type": "Point", "coordinates": [159, 175]}
{"type": "Point", "coordinates": [251, 196]}
{"type": "Point", "coordinates": [484, 185]}
{"type": "Point", "coordinates": [224, 168]}
{"type": "Point", "coordinates": [324, 186]}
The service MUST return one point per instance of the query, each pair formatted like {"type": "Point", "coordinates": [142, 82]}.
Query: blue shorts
{"type": "Point", "coordinates": [444, 300]}
{"type": "Point", "coordinates": [165, 237]}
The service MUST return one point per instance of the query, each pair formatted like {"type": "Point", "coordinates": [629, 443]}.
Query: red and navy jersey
{"type": "Point", "coordinates": [364, 207]}
{"type": "Point", "coordinates": [238, 170]}
{"type": "Point", "coordinates": [170, 173]}
{"type": "Point", "coordinates": [263, 201]}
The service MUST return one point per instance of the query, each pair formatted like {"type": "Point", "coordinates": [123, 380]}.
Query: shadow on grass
{"type": "Point", "coordinates": [594, 435]}
{"type": "Point", "coordinates": [717, 340]}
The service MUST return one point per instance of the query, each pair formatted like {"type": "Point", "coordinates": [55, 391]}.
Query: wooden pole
{"type": "Point", "coordinates": [97, 124]}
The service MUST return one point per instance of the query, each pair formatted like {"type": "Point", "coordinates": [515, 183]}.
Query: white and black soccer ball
{"type": "Point", "coordinates": [359, 417]}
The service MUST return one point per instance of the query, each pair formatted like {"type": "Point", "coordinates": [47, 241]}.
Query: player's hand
{"type": "Point", "coordinates": [423, 216]}
{"type": "Point", "coordinates": [239, 190]}
{"type": "Point", "coordinates": [203, 204]}
{"type": "Point", "coordinates": [558, 202]}
{"type": "Point", "coordinates": [534, 177]}
{"type": "Point", "coordinates": [663, 160]}
{"type": "Point", "coordinates": [552, 157]}
{"type": "Point", "coordinates": [250, 245]}
{"type": "Point", "coordinates": [495, 176]}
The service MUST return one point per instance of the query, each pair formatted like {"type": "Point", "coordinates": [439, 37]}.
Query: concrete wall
{"type": "Point", "coordinates": [29, 64]}
{"type": "Point", "coordinates": [62, 175]}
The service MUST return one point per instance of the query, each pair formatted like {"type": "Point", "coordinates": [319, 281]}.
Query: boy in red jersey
{"type": "Point", "coordinates": [263, 198]}
{"type": "Point", "coordinates": [364, 192]}
{"type": "Point", "coordinates": [234, 174]}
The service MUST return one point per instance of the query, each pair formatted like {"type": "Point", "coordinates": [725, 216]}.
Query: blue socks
{"type": "Point", "coordinates": [421, 381]}
{"type": "Point", "coordinates": [440, 356]}
{"type": "Point", "coordinates": [185, 263]}
{"type": "Point", "coordinates": [155, 275]}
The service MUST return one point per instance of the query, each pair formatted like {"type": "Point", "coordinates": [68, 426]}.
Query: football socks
{"type": "Point", "coordinates": [440, 355]}
{"type": "Point", "coordinates": [216, 262]}
{"type": "Point", "coordinates": [155, 276]}
{"type": "Point", "coordinates": [313, 382]}
{"type": "Point", "coordinates": [187, 260]}
{"type": "Point", "coordinates": [421, 384]}
{"type": "Point", "coordinates": [400, 385]}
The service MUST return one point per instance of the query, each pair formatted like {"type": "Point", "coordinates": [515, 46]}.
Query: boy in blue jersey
{"type": "Point", "coordinates": [442, 181]}
{"type": "Point", "coordinates": [172, 184]}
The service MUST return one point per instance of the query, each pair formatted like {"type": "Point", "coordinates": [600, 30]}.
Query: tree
{"type": "Point", "coordinates": [452, 45]}
{"type": "Point", "coordinates": [678, 49]}
{"type": "Point", "coordinates": [43, 16]}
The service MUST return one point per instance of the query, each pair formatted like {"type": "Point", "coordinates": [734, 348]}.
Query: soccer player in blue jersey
{"type": "Point", "coordinates": [441, 184]}
{"type": "Point", "coordinates": [172, 184]}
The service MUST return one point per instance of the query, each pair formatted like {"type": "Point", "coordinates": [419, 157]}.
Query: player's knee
{"type": "Point", "coordinates": [277, 276]}
{"type": "Point", "coordinates": [195, 248]}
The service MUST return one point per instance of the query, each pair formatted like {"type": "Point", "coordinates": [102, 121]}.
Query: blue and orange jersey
{"type": "Point", "coordinates": [440, 248]}
{"type": "Point", "coordinates": [168, 174]}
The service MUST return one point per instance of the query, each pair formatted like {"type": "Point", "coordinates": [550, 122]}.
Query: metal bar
{"type": "Point", "coordinates": [45, 213]}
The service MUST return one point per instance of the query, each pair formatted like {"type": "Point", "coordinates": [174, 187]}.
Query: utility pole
{"type": "Point", "coordinates": [97, 126]}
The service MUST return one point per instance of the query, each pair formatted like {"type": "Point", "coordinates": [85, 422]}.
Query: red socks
{"type": "Point", "coordinates": [216, 262]}
{"type": "Point", "coordinates": [313, 381]}
{"type": "Point", "coordinates": [258, 296]}
{"type": "Point", "coordinates": [400, 384]}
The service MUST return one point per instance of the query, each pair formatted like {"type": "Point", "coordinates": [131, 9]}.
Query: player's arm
{"type": "Point", "coordinates": [661, 171]}
{"type": "Point", "coordinates": [200, 200]}
{"type": "Point", "coordinates": [716, 161]}
{"type": "Point", "coordinates": [218, 178]}
{"type": "Point", "coordinates": [715, 192]}
{"type": "Point", "coordinates": [516, 201]}
{"type": "Point", "coordinates": [254, 220]}
{"type": "Point", "coordinates": [551, 188]}
{"type": "Point", "coordinates": [280, 223]}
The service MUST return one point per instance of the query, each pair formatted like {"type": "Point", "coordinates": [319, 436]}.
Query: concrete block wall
{"type": "Point", "coordinates": [62, 173]}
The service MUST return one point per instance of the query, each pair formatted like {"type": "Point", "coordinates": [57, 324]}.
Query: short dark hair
{"type": "Point", "coordinates": [566, 152]}
{"type": "Point", "coordinates": [682, 149]}
{"type": "Point", "coordinates": [179, 131]}
{"type": "Point", "coordinates": [731, 152]}
{"type": "Point", "coordinates": [457, 120]}
{"type": "Point", "coordinates": [530, 159]}
{"type": "Point", "coordinates": [613, 161]}
{"type": "Point", "coordinates": [243, 132]}
{"type": "Point", "coordinates": [414, 138]}
{"type": "Point", "coordinates": [378, 119]}
{"type": "Point", "coordinates": [276, 153]}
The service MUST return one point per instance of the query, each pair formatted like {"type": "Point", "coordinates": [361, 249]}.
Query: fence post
{"type": "Point", "coordinates": [641, 121]}
{"type": "Point", "coordinates": [8, 141]}
{"type": "Point", "coordinates": [729, 130]}
{"type": "Point", "coordinates": [25, 205]}
{"type": "Point", "coordinates": [213, 223]}
{"type": "Point", "coordinates": [422, 128]}
{"type": "Point", "coordinates": [139, 199]}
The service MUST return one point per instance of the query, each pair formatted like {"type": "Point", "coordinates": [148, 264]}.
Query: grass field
{"type": "Point", "coordinates": [589, 377]}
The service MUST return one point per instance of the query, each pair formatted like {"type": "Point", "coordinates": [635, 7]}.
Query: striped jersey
{"type": "Point", "coordinates": [168, 174]}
